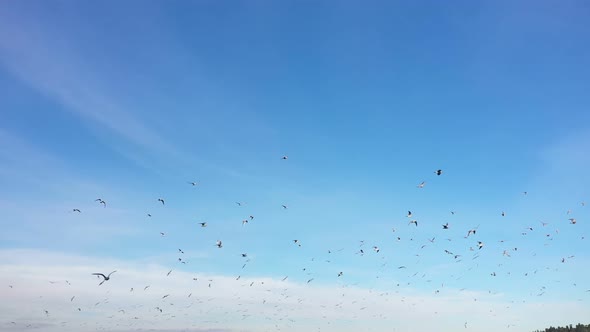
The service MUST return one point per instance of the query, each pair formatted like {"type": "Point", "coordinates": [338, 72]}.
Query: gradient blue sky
{"type": "Point", "coordinates": [128, 101]}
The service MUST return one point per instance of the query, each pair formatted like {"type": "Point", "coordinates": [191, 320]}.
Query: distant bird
{"type": "Point", "coordinates": [167, 274]}
{"type": "Point", "coordinates": [245, 221]}
{"type": "Point", "coordinates": [431, 240]}
{"type": "Point", "coordinates": [100, 201]}
{"type": "Point", "coordinates": [162, 234]}
{"type": "Point", "coordinates": [572, 221]}
{"type": "Point", "coordinates": [105, 278]}
{"type": "Point", "coordinates": [239, 204]}
{"type": "Point", "coordinates": [471, 231]}
{"type": "Point", "coordinates": [503, 214]}
{"type": "Point", "coordinates": [146, 287]}
{"type": "Point", "coordinates": [297, 242]}
{"type": "Point", "coordinates": [180, 251]}
{"type": "Point", "coordinates": [244, 255]}
{"type": "Point", "coordinates": [409, 215]}
{"type": "Point", "coordinates": [203, 224]}
{"type": "Point", "coordinates": [219, 244]}
{"type": "Point", "coordinates": [284, 207]}
{"type": "Point", "coordinates": [438, 172]}
{"type": "Point", "coordinates": [525, 193]}
{"type": "Point", "coordinates": [376, 249]}
{"type": "Point", "coordinates": [285, 157]}
{"type": "Point", "coordinates": [479, 244]}
{"type": "Point", "coordinates": [422, 184]}
{"type": "Point", "coordinates": [445, 226]}
{"type": "Point", "coordinates": [192, 183]}
{"type": "Point", "coordinates": [149, 215]}
{"type": "Point", "coordinates": [415, 222]}
{"type": "Point", "coordinates": [310, 280]}
{"type": "Point", "coordinates": [161, 200]}
{"type": "Point", "coordinates": [340, 274]}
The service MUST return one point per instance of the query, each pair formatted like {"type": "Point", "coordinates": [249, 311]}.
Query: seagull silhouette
{"type": "Point", "coordinates": [105, 278]}
{"type": "Point", "coordinates": [161, 200]}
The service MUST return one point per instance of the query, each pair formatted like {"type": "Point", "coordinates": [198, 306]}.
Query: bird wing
{"type": "Point", "coordinates": [112, 273]}
{"type": "Point", "coordinates": [99, 274]}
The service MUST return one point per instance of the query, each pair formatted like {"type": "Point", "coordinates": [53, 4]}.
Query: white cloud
{"type": "Point", "coordinates": [47, 281]}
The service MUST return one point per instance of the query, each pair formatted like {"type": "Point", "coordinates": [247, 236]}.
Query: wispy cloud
{"type": "Point", "coordinates": [41, 57]}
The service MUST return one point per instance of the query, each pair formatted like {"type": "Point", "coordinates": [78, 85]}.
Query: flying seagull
{"type": "Point", "coordinates": [422, 184]}
{"type": "Point", "coordinates": [77, 210]}
{"type": "Point", "coordinates": [415, 222]}
{"type": "Point", "coordinates": [438, 172]}
{"type": "Point", "coordinates": [161, 200]}
{"type": "Point", "coordinates": [480, 244]}
{"type": "Point", "coordinates": [285, 158]}
{"type": "Point", "coordinates": [203, 224]}
{"type": "Point", "coordinates": [284, 207]}
{"type": "Point", "coordinates": [105, 278]}
{"type": "Point", "coordinates": [219, 244]}
{"type": "Point", "coordinates": [445, 226]}
{"type": "Point", "coordinates": [192, 183]}
{"type": "Point", "coordinates": [100, 201]}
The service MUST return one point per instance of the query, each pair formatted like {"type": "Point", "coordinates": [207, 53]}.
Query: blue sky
{"type": "Point", "coordinates": [131, 101]}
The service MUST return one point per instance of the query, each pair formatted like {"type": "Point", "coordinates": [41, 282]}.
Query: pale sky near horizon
{"type": "Point", "coordinates": [131, 101]}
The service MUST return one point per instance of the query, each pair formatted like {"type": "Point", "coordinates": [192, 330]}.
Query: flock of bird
{"type": "Point", "coordinates": [280, 316]}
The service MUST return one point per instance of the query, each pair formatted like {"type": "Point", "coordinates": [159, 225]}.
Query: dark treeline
{"type": "Point", "coordinates": [570, 328]}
